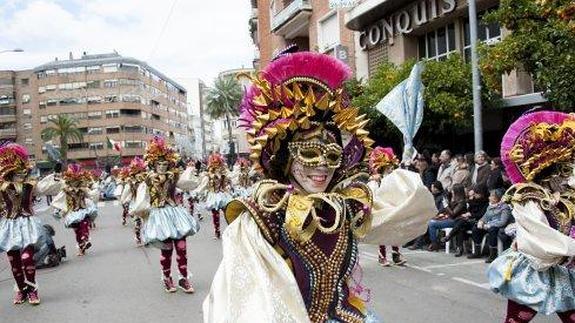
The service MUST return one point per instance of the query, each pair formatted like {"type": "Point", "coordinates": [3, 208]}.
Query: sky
{"type": "Point", "coordinates": [184, 39]}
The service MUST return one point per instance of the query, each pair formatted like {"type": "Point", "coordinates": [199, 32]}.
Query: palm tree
{"type": "Point", "coordinates": [66, 129]}
{"type": "Point", "coordinates": [223, 101]}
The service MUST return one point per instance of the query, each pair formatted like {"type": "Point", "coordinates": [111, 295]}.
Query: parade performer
{"type": "Point", "coordinates": [191, 196]}
{"type": "Point", "coordinates": [136, 173]}
{"type": "Point", "coordinates": [20, 229]}
{"type": "Point", "coordinates": [290, 250]}
{"type": "Point", "coordinates": [536, 275]}
{"type": "Point", "coordinates": [166, 225]}
{"type": "Point", "coordinates": [241, 180]}
{"type": "Point", "coordinates": [382, 162]}
{"type": "Point", "coordinates": [75, 204]}
{"type": "Point", "coordinates": [121, 178]}
{"type": "Point", "coordinates": [215, 189]}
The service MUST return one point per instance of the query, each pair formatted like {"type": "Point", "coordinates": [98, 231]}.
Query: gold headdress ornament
{"type": "Point", "coordinates": [13, 158]}
{"type": "Point", "coordinates": [298, 92]}
{"type": "Point", "coordinates": [158, 149]}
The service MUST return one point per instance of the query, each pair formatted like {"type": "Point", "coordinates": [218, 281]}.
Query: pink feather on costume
{"type": "Point", "coordinates": [17, 149]}
{"type": "Point", "coordinates": [323, 68]}
{"type": "Point", "coordinates": [74, 168]}
{"type": "Point", "coordinates": [515, 133]}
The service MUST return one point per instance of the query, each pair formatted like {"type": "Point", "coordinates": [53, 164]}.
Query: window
{"type": "Point", "coordinates": [110, 98]}
{"type": "Point", "coordinates": [51, 102]}
{"type": "Point", "coordinates": [93, 69]}
{"type": "Point", "coordinates": [96, 145]}
{"type": "Point", "coordinates": [112, 114]}
{"type": "Point", "coordinates": [328, 32]}
{"type": "Point", "coordinates": [28, 141]}
{"type": "Point", "coordinates": [133, 144]}
{"type": "Point", "coordinates": [131, 98]}
{"type": "Point", "coordinates": [78, 146]}
{"type": "Point", "coordinates": [95, 131]}
{"type": "Point", "coordinates": [26, 112]}
{"type": "Point", "coordinates": [41, 89]}
{"type": "Point", "coordinates": [95, 115]}
{"type": "Point", "coordinates": [94, 100]}
{"type": "Point", "coordinates": [69, 101]}
{"type": "Point", "coordinates": [43, 119]}
{"type": "Point", "coordinates": [51, 87]}
{"type": "Point", "coordinates": [93, 84]}
{"type": "Point", "coordinates": [42, 105]}
{"type": "Point", "coordinates": [25, 98]}
{"type": "Point", "coordinates": [110, 68]}
{"type": "Point", "coordinates": [134, 129]}
{"type": "Point", "coordinates": [437, 44]}
{"type": "Point", "coordinates": [110, 83]}
{"type": "Point", "coordinates": [24, 82]}
{"type": "Point", "coordinates": [27, 125]}
{"type": "Point", "coordinates": [489, 34]}
{"type": "Point", "coordinates": [112, 130]}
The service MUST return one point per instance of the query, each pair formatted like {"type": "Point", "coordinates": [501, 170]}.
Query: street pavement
{"type": "Point", "coordinates": [119, 282]}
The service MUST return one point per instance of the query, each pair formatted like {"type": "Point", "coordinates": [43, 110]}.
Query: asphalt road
{"type": "Point", "coordinates": [119, 282]}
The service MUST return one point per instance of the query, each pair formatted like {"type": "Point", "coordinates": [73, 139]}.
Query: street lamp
{"type": "Point", "coordinates": [476, 78]}
{"type": "Point", "coordinates": [15, 50]}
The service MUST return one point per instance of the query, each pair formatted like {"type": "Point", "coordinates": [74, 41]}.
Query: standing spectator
{"type": "Point", "coordinates": [461, 175]}
{"type": "Point", "coordinates": [496, 217]}
{"type": "Point", "coordinates": [457, 207]}
{"type": "Point", "coordinates": [446, 169]}
{"type": "Point", "coordinates": [481, 169]}
{"type": "Point", "coordinates": [425, 171]}
{"type": "Point", "coordinates": [435, 163]}
{"type": "Point", "coordinates": [495, 178]}
{"type": "Point", "coordinates": [441, 202]}
{"type": "Point", "coordinates": [477, 202]}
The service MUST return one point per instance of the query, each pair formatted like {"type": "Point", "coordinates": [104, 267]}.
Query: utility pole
{"type": "Point", "coordinates": [476, 78]}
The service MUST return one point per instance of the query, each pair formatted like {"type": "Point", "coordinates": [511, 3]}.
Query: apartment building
{"type": "Point", "coordinates": [110, 95]}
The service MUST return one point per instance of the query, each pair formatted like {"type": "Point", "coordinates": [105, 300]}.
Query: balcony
{"type": "Point", "coordinates": [4, 118]}
{"type": "Point", "coordinates": [293, 20]}
{"type": "Point", "coordinates": [9, 133]}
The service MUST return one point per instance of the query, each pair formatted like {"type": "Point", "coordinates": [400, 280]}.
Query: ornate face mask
{"type": "Point", "coordinates": [20, 176]}
{"type": "Point", "coordinates": [162, 166]}
{"type": "Point", "coordinates": [314, 156]}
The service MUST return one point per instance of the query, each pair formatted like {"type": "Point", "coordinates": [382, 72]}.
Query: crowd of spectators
{"type": "Point", "coordinates": [468, 191]}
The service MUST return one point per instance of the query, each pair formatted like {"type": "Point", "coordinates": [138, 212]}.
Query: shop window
{"type": "Point", "coordinates": [437, 44]}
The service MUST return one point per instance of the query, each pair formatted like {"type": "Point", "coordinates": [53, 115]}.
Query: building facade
{"type": "Point", "coordinates": [203, 125]}
{"type": "Point", "coordinates": [312, 25]}
{"type": "Point", "coordinates": [110, 96]}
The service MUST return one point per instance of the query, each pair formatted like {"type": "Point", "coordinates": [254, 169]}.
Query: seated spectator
{"type": "Point", "coordinates": [461, 175]}
{"type": "Point", "coordinates": [477, 202]}
{"type": "Point", "coordinates": [45, 253]}
{"type": "Point", "coordinates": [457, 206]}
{"type": "Point", "coordinates": [425, 171]}
{"type": "Point", "coordinates": [496, 217]}
{"type": "Point", "coordinates": [495, 177]}
{"type": "Point", "coordinates": [441, 202]}
{"type": "Point", "coordinates": [507, 234]}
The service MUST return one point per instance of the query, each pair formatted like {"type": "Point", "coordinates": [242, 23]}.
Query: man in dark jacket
{"type": "Point", "coordinates": [481, 170]}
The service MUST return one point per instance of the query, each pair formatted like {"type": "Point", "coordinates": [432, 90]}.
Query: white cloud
{"type": "Point", "coordinates": [200, 39]}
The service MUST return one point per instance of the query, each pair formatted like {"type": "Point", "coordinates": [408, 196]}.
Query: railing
{"type": "Point", "coordinates": [288, 12]}
{"type": "Point", "coordinates": [8, 133]}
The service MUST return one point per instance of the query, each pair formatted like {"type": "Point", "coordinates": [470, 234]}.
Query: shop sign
{"type": "Point", "coordinates": [404, 21]}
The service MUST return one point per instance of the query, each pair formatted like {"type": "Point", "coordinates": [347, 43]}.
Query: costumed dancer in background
{"type": "Point", "coordinates": [241, 178]}
{"type": "Point", "coordinates": [382, 162]}
{"type": "Point", "coordinates": [136, 173]}
{"type": "Point", "coordinates": [166, 224]}
{"type": "Point", "coordinates": [290, 252]}
{"type": "Point", "coordinates": [121, 178]}
{"type": "Point", "coordinates": [20, 229]}
{"type": "Point", "coordinates": [216, 189]}
{"type": "Point", "coordinates": [191, 196]}
{"type": "Point", "coordinates": [537, 274]}
{"type": "Point", "coordinates": [75, 204]}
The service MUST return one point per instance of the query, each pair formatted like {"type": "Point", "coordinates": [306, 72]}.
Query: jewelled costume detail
{"type": "Point", "coordinates": [288, 256]}
{"type": "Point", "coordinates": [538, 153]}
{"type": "Point", "coordinates": [20, 229]}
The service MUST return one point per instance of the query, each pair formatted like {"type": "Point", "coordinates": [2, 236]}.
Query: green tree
{"type": "Point", "coordinates": [447, 96]}
{"type": "Point", "coordinates": [66, 130]}
{"type": "Point", "coordinates": [541, 42]}
{"type": "Point", "coordinates": [223, 101]}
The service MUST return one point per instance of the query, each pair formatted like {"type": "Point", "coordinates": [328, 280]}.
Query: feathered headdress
{"type": "Point", "coordinates": [13, 158]}
{"type": "Point", "coordinates": [137, 166]}
{"type": "Point", "coordinates": [381, 158]}
{"type": "Point", "coordinates": [242, 162]}
{"type": "Point", "coordinates": [536, 141]}
{"type": "Point", "coordinates": [74, 172]}
{"type": "Point", "coordinates": [215, 161]}
{"type": "Point", "coordinates": [297, 92]}
{"type": "Point", "coordinates": [158, 149]}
